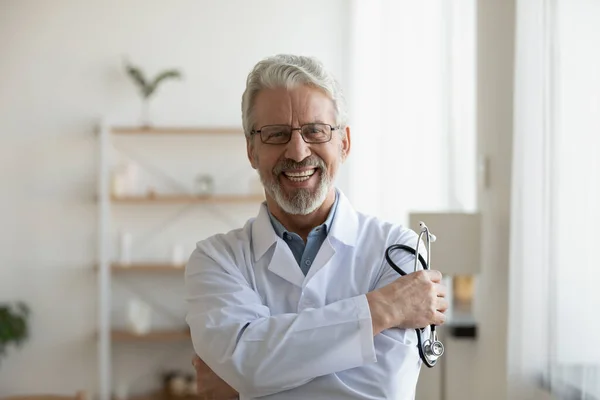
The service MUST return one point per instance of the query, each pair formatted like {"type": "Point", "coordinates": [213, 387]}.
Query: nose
{"type": "Point", "coordinates": [297, 149]}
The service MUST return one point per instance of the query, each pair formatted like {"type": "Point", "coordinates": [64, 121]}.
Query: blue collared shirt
{"type": "Point", "coordinates": [305, 253]}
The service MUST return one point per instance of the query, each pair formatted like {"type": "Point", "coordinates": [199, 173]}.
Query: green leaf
{"type": "Point", "coordinates": [13, 325]}
{"type": "Point", "coordinates": [168, 74]}
{"type": "Point", "coordinates": [137, 75]}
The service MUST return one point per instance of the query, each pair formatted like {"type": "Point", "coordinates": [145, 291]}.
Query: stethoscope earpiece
{"type": "Point", "coordinates": [425, 230]}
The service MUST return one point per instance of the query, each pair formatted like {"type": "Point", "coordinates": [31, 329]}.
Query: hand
{"type": "Point", "coordinates": [210, 386]}
{"type": "Point", "coordinates": [412, 301]}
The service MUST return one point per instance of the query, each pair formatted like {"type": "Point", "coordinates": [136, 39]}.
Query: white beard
{"type": "Point", "coordinates": [301, 201]}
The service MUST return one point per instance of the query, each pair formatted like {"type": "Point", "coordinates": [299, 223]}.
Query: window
{"type": "Point", "coordinates": [556, 198]}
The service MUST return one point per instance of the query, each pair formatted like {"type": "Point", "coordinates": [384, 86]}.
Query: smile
{"type": "Point", "coordinates": [299, 176]}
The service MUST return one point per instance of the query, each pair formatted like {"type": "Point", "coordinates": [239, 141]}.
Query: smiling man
{"type": "Point", "coordinates": [300, 302]}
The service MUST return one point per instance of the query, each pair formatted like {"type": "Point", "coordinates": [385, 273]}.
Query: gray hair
{"type": "Point", "coordinates": [289, 71]}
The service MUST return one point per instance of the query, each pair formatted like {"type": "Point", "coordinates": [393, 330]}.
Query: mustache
{"type": "Point", "coordinates": [287, 163]}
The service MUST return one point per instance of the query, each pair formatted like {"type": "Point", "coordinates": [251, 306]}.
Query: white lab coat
{"type": "Point", "coordinates": [268, 330]}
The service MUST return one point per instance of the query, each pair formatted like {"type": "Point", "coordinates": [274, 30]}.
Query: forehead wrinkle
{"type": "Point", "coordinates": [310, 108]}
{"type": "Point", "coordinates": [273, 107]}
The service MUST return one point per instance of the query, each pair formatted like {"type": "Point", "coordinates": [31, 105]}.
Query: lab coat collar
{"type": "Point", "coordinates": [263, 234]}
{"type": "Point", "coordinates": [344, 227]}
{"type": "Point", "coordinates": [345, 222]}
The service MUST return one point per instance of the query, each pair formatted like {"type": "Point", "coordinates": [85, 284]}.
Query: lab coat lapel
{"type": "Point", "coordinates": [324, 255]}
{"type": "Point", "coordinates": [282, 262]}
{"type": "Point", "coordinates": [285, 265]}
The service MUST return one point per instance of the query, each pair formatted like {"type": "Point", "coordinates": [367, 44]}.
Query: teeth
{"type": "Point", "coordinates": [305, 178]}
{"type": "Point", "coordinates": [299, 176]}
{"type": "Point", "coordinates": [299, 173]}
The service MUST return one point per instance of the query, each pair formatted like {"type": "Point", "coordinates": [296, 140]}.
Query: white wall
{"type": "Point", "coordinates": [60, 70]}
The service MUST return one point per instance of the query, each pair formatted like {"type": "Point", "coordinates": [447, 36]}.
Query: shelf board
{"type": "Point", "coordinates": [185, 198]}
{"type": "Point", "coordinates": [164, 130]}
{"type": "Point", "coordinates": [147, 267]}
{"type": "Point", "coordinates": [161, 395]}
{"type": "Point", "coordinates": [155, 336]}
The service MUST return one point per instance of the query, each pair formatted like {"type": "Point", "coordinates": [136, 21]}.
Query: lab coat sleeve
{"type": "Point", "coordinates": [258, 353]}
{"type": "Point", "coordinates": [394, 337]}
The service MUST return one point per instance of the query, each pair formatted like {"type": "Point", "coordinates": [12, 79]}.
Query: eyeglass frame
{"type": "Point", "coordinates": [331, 129]}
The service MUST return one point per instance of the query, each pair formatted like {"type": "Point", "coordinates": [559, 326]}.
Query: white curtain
{"type": "Point", "coordinates": [412, 88]}
{"type": "Point", "coordinates": [555, 272]}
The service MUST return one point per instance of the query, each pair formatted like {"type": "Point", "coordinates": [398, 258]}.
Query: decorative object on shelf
{"type": "Point", "coordinates": [139, 315]}
{"type": "Point", "coordinates": [125, 179]}
{"type": "Point", "coordinates": [204, 185]}
{"type": "Point", "coordinates": [151, 193]}
{"type": "Point", "coordinates": [192, 385]}
{"type": "Point", "coordinates": [177, 256]}
{"type": "Point", "coordinates": [147, 87]}
{"type": "Point", "coordinates": [179, 384]}
{"type": "Point", "coordinates": [125, 249]}
{"type": "Point", "coordinates": [118, 185]}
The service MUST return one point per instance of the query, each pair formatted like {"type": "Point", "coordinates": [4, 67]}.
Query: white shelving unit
{"type": "Point", "coordinates": [108, 269]}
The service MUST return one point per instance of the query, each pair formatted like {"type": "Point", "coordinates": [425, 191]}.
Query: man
{"type": "Point", "coordinates": [300, 302]}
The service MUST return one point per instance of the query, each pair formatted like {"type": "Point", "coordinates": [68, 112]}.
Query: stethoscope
{"type": "Point", "coordinates": [431, 349]}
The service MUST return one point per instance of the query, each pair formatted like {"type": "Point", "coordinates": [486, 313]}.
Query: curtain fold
{"type": "Point", "coordinates": [530, 236]}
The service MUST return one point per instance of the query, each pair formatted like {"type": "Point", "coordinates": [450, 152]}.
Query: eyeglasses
{"type": "Point", "coordinates": [282, 134]}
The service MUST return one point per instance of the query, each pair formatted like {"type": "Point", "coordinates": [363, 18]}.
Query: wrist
{"type": "Point", "coordinates": [378, 315]}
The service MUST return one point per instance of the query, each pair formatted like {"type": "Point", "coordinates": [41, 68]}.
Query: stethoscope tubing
{"type": "Point", "coordinates": [429, 363]}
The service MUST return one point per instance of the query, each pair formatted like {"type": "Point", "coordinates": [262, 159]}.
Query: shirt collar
{"type": "Point", "coordinates": [281, 231]}
{"type": "Point", "coordinates": [343, 227]}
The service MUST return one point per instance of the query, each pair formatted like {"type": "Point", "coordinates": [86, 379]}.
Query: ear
{"type": "Point", "coordinates": [250, 150]}
{"type": "Point", "coordinates": [346, 143]}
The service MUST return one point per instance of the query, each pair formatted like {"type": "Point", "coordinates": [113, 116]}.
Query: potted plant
{"type": "Point", "coordinates": [14, 327]}
{"type": "Point", "coordinates": [147, 87]}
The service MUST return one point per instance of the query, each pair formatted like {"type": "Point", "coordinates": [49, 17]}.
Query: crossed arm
{"type": "Point", "coordinates": [246, 347]}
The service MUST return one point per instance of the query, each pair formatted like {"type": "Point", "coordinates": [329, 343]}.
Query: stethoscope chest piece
{"type": "Point", "coordinates": [433, 348]}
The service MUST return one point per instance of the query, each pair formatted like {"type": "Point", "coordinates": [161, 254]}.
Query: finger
{"type": "Point", "coordinates": [439, 318]}
{"type": "Point", "coordinates": [442, 305]}
{"type": "Point", "coordinates": [434, 276]}
{"type": "Point", "coordinates": [441, 290]}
